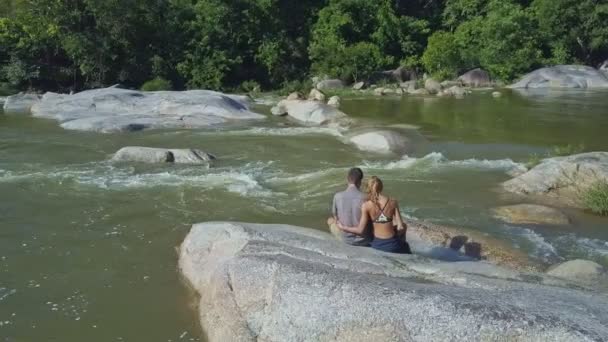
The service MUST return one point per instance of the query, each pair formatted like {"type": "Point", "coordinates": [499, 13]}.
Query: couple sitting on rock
{"type": "Point", "coordinates": [371, 219]}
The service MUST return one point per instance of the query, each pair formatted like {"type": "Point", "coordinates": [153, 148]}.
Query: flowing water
{"type": "Point", "coordinates": [87, 248]}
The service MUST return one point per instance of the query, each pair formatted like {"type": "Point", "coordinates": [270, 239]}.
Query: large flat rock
{"type": "Point", "coordinates": [562, 179]}
{"type": "Point", "coordinates": [314, 113]}
{"type": "Point", "coordinates": [115, 109]}
{"type": "Point", "coordinates": [286, 283]}
{"type": "Point", "coordinates": [563, 76]}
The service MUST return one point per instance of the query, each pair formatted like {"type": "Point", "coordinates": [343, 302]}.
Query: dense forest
{"type": "Point", "coordinates": [246, 44]}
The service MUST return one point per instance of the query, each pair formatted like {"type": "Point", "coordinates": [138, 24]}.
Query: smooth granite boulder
{"type": "Point", "coordinates": [114, 109]}
{"type": "Point", "coordinates": [381, 141]}
{"type": "Point", "coordinates": [309, 112]}
{"type": "Point", "coordinates": [531, 214]}
{"type": "Point", "coordinates": [286, 283]}
{"type": "Point", "coordinates": [20, 103]}
{"type": "Point", "coordinates": [476, 78]}
{"type": "Point", "coordinates": [162, 155]}
{"type": "Point", "coordinates": [562, 179]}
{"type": "Point", "coordinates": [578, 270]}
{"type": "Point", "coordinates": [564, 76]}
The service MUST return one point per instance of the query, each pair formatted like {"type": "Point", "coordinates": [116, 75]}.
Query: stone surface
{"type": "Point", "coordinates": [114, 109]}
{"type": "Point", "coordinates": [456, 91]}
{"type": "Point", "coordinates": [563, 76]}
{"type": "Point", "coordinates": [20, 103]}
{"type": "Point", "coordinates": [295, 96]}
{"type": "Point", "coordinates": [381, 141]}
{"type": "Point", "coordinates": [400, 74]}
{"type": "Point", "coordinates": [359, 85]}
{"type": "Point", "coordinates": [286, 283]}
{"type": "Point", "coordinates": [578, 270]}
{"type": "Point", "coordinates": [476, 78]}
{"type": "Point", "coordinates": [561, 179]}
{"type": "Point", "coordinates": [409, 86]}
{"type": "Point", "coordinates": [496, 94]}
{"type": "Point", "coordinates": [310, 112]}
{"type": "Point", "coordinates": [330, 84]}
{"type": "Point", "coordinates": [531, 214]}
{"type": "Point", "coordinates": [421, 91]}
{"type": "Point", "coordinates": [162, 155]}
{"type": "Point", "coordinates": [379, 91]}
{"type": "Point", "coordinates": [432, 86]}
{"type": "Point", "coordinates": [315, 95]}
{"type": "Point", "coordinates": [334, 101]}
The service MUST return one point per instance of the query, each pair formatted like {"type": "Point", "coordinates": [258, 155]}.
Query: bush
{"type": "Point", "coordinates": [250, 87]}
{"type": "Point", "coordinates": [302, 87]}
{"type": "Point", "coordinates": [442, 57]}
{"type": "Point", "coordinates": [595, 198]}
{"type": "Point", "coordinates": [157, 84]}
{"type": "Point", "coordinates": [567, 150]}
{"type": "Point", "coordinates": [6, 89]}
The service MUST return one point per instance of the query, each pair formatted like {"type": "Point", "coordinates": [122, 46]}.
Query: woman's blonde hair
{"type": "Point", "coordinates": [374, 188]}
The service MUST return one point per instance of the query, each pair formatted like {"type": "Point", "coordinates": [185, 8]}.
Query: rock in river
{"type": "Point", "coordinates": [115, 109]}
{"type": "Point", "coordinates": [531, 214]}
{"type": "Point", "coordinates": [383, 141]}
{"type": "Point", "coordinates": [309, 112]}
{"type": "Point", "coordinates": [564, 76]}
{"type": "Point", "coordinates": [286, 283]}
{"type": "Point", "coordinates": [20, 103]}
{"type": "Point", "coordinates": [578, 270]}
{"type": "Point", "coordinates": [476, 78]}
{"type": "Point", "coordinates": [562, 179]}
{"type": "Point", "coordinates": [162, 155]}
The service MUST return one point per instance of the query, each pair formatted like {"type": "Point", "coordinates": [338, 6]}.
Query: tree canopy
{"type": "Point", "coordinates": [238, 44]}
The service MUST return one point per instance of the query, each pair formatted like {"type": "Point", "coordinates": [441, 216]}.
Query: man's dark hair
{"type": "Point", "coordinates": [355, 175]}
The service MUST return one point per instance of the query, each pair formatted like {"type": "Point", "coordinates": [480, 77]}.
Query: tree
{"type": "Point", "coordinates": [442, 56]}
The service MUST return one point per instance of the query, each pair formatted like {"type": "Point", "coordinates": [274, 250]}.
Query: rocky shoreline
{"type": "Point", "coordinates": [287, 283]}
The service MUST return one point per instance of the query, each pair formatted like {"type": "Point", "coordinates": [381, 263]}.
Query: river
{"type": "Point", "coordinates": [87, 248]}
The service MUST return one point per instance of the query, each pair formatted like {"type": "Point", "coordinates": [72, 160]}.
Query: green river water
{"type": "Point", "coordinates": [87, 248]}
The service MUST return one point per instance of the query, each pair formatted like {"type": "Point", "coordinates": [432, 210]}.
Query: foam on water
{"type": "Point", "coordinates": [588, 247]}
{"type": "Point", "coordinates": [542, 248]}
{"type": "Point", "coordinates": [438, 160]}
{"type": "Point", "coordinates": [286, 131]}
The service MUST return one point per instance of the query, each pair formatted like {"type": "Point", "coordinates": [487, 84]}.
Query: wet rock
{"type": "Point", "coordinates": [162, 155]}
{"type": "Point", "coordinates": [400, 74]}
{"type": "Point", "coordinates": [398, 91]}
{"type": "Point", "coordinates": [20, 103]}
{"type": "Point", "coordinates": [316, 95]}
{"type": "Point", "coordinates": [448, 84]}
{"type": "Point", "coordinates": [432, 86]}
{"type": "Point", "coordinates": [334, 101]}
{"type": "Point", "coordinates": [115, 109]}
{"type": "Point", "coordinates": [456, 91]}
{"type": "Point", "coordinates": [421, 91]}
{"type": "Point", "coordinates": [578, 270]}
{"type": "Point", "coordinates": [330, 84]}
{"type": "Point", "coordinates": [359, 85]}
{"type": "Point", "coordinates": [295, 96]}
{"type": "Point", "coordinates": [408, 86]}
{"type": "Point", "coordinates": [563, 76]}
{"type": "Point", "coordinates": [496, 94]}
{"type": "Point", "coordinates": [286, 283]}
{"type": "Point", "coordinates": [531, 214]}
{"type": "Point", "coordinates": [310, 112]}
{"type": "Point", "coordinates": [561, 179]}
{"type": "Point", "coordinates": [379, 91]}
{"type": "Point", "coordinates": [476, 78]}
{"type": "Point", "coordinates": [383, 141]}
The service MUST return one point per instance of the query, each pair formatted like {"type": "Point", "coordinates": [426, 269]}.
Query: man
{"type": "Point", "coordinates": [346, 208]}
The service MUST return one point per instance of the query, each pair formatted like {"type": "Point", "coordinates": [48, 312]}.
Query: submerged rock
{"type": "Point", "coordinates": [20, 103]}
{"type": "Point", "coordinates": [496, 94]}
{"type": "Point", "coordinates": [476, 78]}
{"type": "Point", "coordinates": [383, 141]}
{"type": "Point", "coordinates": [531, 214]}
{"type": "Point", "coordinates": [162, 155]}
{"type": "Point", "coordinates": [563, 76]}
{"type": "Point", "coordinates": [562, 179]}
{"type": "Point", "coordinates": [115, 109]}
{"type": "Point", "coordinates": [310, 112]}
{"type": "Point", "coordinates": [286, 283]}
{"type": "Point", "coordinates": [578, 270]}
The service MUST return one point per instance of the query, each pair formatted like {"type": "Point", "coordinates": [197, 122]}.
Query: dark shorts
{"type": "Point", "coordinates": [392, 245]}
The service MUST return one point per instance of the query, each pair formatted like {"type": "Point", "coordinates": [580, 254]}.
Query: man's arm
{"type": "Point", "coordinates": [360, 229]}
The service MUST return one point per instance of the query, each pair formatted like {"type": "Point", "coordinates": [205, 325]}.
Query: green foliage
{"type": "Point", "coordinates": [299, 86]}
{"type": "Point", "coordinates": [441, 57]}
{"type": "Point", "coordinates": [567, 150]}
{"type": "Point", "coordinates": [157, 84]}
{"type": "Point", "coordinates": [6, 89]}
{"type": "Point", "coordinates": [595, 198]}
{"type": "Point", "coordinates": [250, 87]}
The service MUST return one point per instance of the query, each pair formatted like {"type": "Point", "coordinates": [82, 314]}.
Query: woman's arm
{"type": "Point", "coordinates": [359, 230]}
{"type": "Point", "coordinates": [401, 226]}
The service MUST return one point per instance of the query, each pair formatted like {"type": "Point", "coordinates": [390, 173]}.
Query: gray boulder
{"type": "Point", "coordinates": [310, 112]}
{"type": "Point", "coordinates": [531, 214]}
{"type": "Point", "coordinates": [421, 91]}
{"type": "Point", "coordinates": [330, 84]}
{"type": "Point", "coordinates": [334, 101]}
{"type": "Point", "coordinates": [398, 75]}
{"type": "Point", "coordinates": [408, 86]}
{"type": "Point", "coordinates": [563, 76]}
{"type": "Point", "coordinates": [456, 91]}
{"type": "Point", "coordinates": [562, 179]}
{"type": "Point", "coordinates": [286, 283]}
{"type": "Point", "coordinates": [382, 141]}
{"type": "Point", "coordinates": [476, 78]}
{"type": "Point", "coordinates": [496, 94]}
{"type": "Point", "coordinates": [162, 155]}
{"type": "Point", "coordinates": [114, 109]}
{"type": "Point", "coordinates": [432, 86]}
{"type": "Point", "coordinates": [295, 96]}
{"type": "Point", "coordinates": [20, 103]}
{"type": "Point", "coordinates": [314, 95]}
{"type": "Point", "coordinates": [359, 85]}
{"type": "Point", "coordinates": [578, 270]}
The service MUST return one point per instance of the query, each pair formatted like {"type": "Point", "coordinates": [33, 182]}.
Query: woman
{"type": "Point", "coordinates": [384, 213]}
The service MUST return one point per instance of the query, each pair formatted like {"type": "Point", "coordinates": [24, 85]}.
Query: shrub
{"type": "Point", "coordinates": [595, 198]}
{"type": "Point", "coordinates": [442, 57]}
{"type": "Point", "coordinates": [157, 84]}
{"type": "Point", "coordinates": [6, 89]}
{"type": "Point", "coordinates": [289, 87]}
{"type": "Point", "coordinates": [250, 87]}
{"type": "Point", "coordinates": [567, 150]}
